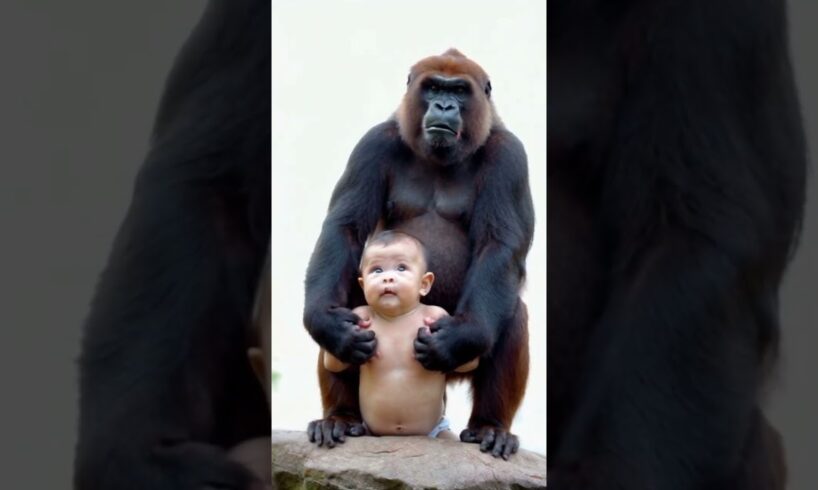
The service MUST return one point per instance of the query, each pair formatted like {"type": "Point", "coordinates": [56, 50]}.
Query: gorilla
{"type": "Point", "coordinates": [443, 169]}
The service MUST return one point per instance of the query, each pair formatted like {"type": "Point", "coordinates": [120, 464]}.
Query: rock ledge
{"type": "Point", "coordinates": [398, 463]}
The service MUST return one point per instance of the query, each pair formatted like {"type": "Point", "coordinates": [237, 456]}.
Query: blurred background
{"type": "Point", "coordinates": [79, 86]}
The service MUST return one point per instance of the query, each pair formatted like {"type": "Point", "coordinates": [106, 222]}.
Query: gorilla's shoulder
{"type": "Point", "coordinates": [381, 140]}
{"type": "Point", "coordinates": [385, 133]}
{"type": "Point", "coordinates": [504, 148]}
{"type": "Point", "coordinates": [502, 137]}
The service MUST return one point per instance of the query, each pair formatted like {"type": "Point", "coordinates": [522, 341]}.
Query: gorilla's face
{"type": "Point", "coordinates": [445, 100]}
{"type": "Point", "coordinates": [446, 114]}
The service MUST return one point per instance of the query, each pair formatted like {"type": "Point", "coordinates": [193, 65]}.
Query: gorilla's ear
{"type": "Point", "coordinates": [488, 88]}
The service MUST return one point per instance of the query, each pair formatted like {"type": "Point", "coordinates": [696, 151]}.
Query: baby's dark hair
{"type": "Point", "coordinates": [388, 237]}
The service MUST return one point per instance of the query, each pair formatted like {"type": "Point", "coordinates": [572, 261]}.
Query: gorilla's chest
{"type": "Point", "coordinates": [416, 190]}
{"type": "Point", "coordinates": [436, 207]}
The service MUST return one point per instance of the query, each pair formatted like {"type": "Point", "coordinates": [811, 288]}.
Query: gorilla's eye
{"type": "Point", "coordinates": [433, 88]}
{"type": "Point", "coordinates": [460, 91]}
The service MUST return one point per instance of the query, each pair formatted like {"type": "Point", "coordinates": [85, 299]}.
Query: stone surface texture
{"type": "Point", "coordinates": [398, 463]}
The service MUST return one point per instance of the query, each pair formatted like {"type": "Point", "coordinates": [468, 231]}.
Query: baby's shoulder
{"type": "Point", "coordinates": [434, 311]}
{"type": "Point", "coordinates": [362, 311]}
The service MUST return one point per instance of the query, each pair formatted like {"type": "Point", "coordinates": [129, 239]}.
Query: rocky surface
{"type": "Point", "coordinates": [398, 463]}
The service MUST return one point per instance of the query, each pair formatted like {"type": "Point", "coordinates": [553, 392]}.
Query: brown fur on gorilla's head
{"type": "Point", "coordinates": [478, 113]}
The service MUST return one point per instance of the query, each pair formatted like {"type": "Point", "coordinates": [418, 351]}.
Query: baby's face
{"type": "Point", "coordinates": [394, 276]}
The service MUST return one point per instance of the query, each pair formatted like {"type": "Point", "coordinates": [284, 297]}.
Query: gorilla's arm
{"type": "Point", "coordinates": [165, 385]}
{"type": "Point", "coordinates": [501, 230]}
{"type": "Point", "coordinates": [702, 197]}
{"type": "Point", "coordinates": [355, 207]}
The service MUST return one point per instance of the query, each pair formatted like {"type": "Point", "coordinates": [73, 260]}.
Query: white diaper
{"type": "Point", "coordinates": [440, 427]}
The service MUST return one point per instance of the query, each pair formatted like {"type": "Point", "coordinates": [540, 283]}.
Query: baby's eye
{"type": "Point", "coordinates": [377, 270]}
{"type": "Point", "coordinates": [401, 268]}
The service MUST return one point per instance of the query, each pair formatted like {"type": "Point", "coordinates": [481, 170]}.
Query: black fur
{"type": "Point", "coordinates": [676, 189]}
{"type": "Point", "coordinates": [165, 383]}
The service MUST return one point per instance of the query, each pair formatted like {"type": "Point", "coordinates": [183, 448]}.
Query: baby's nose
{"type": "Point", "coordinates": [388, 279]}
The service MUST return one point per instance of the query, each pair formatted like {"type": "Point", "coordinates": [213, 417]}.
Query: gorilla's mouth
{"type": "Point", "coordinates": [441, 128]}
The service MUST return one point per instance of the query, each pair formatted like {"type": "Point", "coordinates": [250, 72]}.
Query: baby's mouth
{"type": "Point", "coordinates": [387, 291]}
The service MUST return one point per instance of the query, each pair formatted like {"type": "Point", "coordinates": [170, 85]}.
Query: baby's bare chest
{"type": "Point", "coordinates": [396, 345]}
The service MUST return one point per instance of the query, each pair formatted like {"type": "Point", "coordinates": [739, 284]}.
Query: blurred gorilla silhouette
{"type": "Point", "coordinates": [165, 384]}
{"type": "Point", "coordinates": [676, 167]}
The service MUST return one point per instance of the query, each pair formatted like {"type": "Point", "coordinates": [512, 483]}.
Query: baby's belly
{"type": "Point", "coordinates": [401, 401]}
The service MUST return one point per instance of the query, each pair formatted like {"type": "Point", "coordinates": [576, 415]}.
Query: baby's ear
{"type": "Point", "coordinates": [426, 283]}
{"type": "Point", "coordinates": [256, 357]}
{"type": "Point", "coordinates": [361, 282]}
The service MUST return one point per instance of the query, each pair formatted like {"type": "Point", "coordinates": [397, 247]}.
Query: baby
{"type": "Point", "coordinates": [397, 395]}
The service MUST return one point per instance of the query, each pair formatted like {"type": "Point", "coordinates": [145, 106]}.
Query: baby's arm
{"type": "Point", "coordinates": [469, 366]}
{"type": "Point", "coordinates": [435, 313]}
{"type": "Point", "coordinates": [332, 363]}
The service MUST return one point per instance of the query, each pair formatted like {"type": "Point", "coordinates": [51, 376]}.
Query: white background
{"type": "Point", "coordinates": [338, 69]}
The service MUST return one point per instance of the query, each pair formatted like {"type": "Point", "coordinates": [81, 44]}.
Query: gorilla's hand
{"type": "Point", "coordinates": [446, 344]}
{"type": "Point", "coordinates": [343, 334]}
